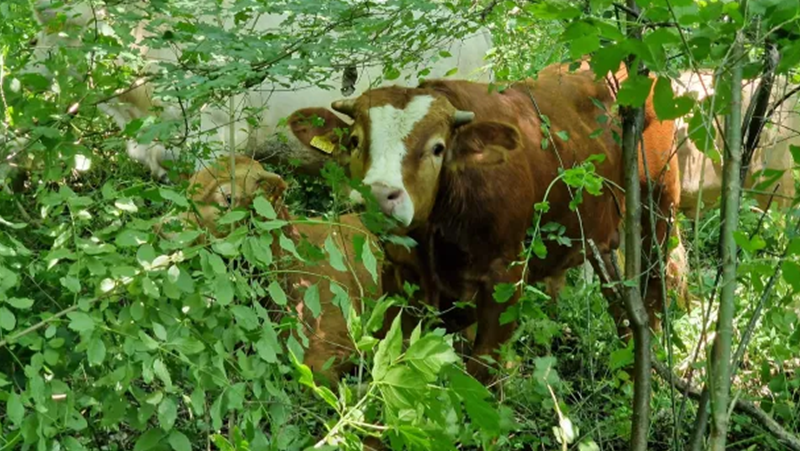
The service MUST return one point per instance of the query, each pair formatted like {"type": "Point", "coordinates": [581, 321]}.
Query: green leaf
{"type": "Point", "coordinates": [232, 217]}
{"type": "Point", "coordinates": [13, 225]}
{"type": "Point", "coordinates": [403, 377]}
{"type": "Point", "coordinates": [72, 444]}
{"type": "Point", "coordinates": [216, 412]}
{"type": "Point", "coordinates": [795, 150]}
{"type": "Point", "coordinates": [188, 345]}
{"type": "Point", "coordinates": [267, 346]}
{"type": "Point", "coordinates": [295, 347]}
{"type": "Point", "coordinates": [794, 247]}
{"type": "Point", "coordinates": [258, 248]}
{"type": "Point", "coordinates": [311, 300]}
{"type": "Point", "coordinates": [167, 413]}
{"type": "Point", "coordinates": [224, 290]}
{"type": "Point", "coordinates": [620, 358]}
{"type": "Point", "coordinates": [750, 246]}
{"type": "Point", "coordinates": [160, 332]}
{"type": "Point", "coordinates": [145, 255]}
{"type": "Point", "coordinates": [703, 134]}
{"type": "Point", "coordinates": [150, 289]}
{"type": "Point", "coordinates": [790, 57]}
{"type": "Point", "coordinates": [162, 373]}
{"type": "Point", "coordinates": [126, 205]}
{"type": "Point", "coordinates": [178, 199]}
{"type": "Point", "coordinates": [20, 303]}
{"type": "Point", "coordinates": [607, 60]}
{"type": "Point", "coordinates": [15, 410]}
{"type": "Point", "coordinates": [668, 106]}
{"type": "Point", "coordinates": [149, 440]}
{"type": "Point", "coordinates": [327, 395]}
{"type": "Point", "coordinates": [791, 274]}
{"type": "Point", "coordinates": [334, 255]}
{"type": "Point", "coordinates": [583, 46]}
{"type": "Point", "coordinates": [429, 354]}
{"type": "Point", "coordinates": [375, 321]}
{"type": "Point", "coordinates": [179, 442]}
{"type": "Point", "coordinates": [71, 283]}
{"type": "Point", "coordinates": [474, 395]}
{"type": "Point", "coordinates": [388, 350]}
{"type": "Point", "coordinates": [370, 263]}
{"type": "Point", "coordinates": [563, 135]}
{"type": "Point", "coordinates": [340, 298]}
{"type": "Point", "coordinates": [277, 294]}
{"type": "Point", "coordinates": [7, 319]}
{"type": "Point", "coordinates": [288, 245]}
{"type": "Point", "coordinates": [96, 352]}
{"type": "Point", "coordinates": [245, 317]}
{"type": "Point", "coordinates": [131, 238]}
{"type": "Point", "coordinates": [226, 248]}
{"type": "Point", "coordinates": [634, 90]}
{"type": "Point", "coordinates": [269, 225]}
{"type": "Point", "coordinates": [264, 208]}
{"type": "Point", "coordinates": [391, 73]}
{"type": "Point", "coordinates": [503, 292]}
{"type": "Point", "coordinates": [80, 322]}
{"type": "Point", "coordinates": [214, 262]}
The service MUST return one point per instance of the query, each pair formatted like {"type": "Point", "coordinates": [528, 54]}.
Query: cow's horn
{"type": "Point", "coordinates": [345, 106]}
{"type": "Point", "coordinates": [461, 117]}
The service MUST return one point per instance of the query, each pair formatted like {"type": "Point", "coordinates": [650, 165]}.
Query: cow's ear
{"type": "Point", "coordinates": [484, 143]}
{"type": "Point", "coordinates": [321, 130]}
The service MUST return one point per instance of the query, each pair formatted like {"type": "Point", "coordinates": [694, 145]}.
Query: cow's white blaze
{"type": "Point", "coordinates": [390, 126]}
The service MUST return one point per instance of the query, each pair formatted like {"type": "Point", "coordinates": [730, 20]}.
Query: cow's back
{"type": "Point", "coordinates": [507, 194]}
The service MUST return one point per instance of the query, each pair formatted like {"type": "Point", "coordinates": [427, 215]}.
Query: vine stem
{"type": "Point", "coordinates": [345, 419]}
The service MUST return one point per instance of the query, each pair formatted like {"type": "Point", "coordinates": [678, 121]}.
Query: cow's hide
{"type": "Point", "coordinates": [701, 176]}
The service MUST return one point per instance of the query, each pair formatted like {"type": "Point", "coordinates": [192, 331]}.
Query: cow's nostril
{"type": "Point", "coordinates": [394, 195]}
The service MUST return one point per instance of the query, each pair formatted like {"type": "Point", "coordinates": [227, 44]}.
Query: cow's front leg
{"type": "Point", "coordinates": [491, 334]}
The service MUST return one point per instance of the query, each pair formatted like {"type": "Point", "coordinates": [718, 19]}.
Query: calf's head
{"type": "Point", "coordinates": [402, 139]}
{"type": "Point", "coordinates": [215, 188]}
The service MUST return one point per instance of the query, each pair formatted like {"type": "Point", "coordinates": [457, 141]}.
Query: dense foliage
{"type": "Point", "coordinates": [114, 337]}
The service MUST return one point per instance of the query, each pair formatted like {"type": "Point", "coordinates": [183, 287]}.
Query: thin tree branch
{"type": "Point", "coordinates": [632, 122]}
{"type": "Point", "coordinates": [720, 364]}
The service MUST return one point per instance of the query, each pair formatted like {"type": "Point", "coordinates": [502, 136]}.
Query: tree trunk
{"type": "Point", "coordinates": [720, 365]}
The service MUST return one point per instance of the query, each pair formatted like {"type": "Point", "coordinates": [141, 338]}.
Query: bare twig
{"type": "Point", "coordinates": [604, 271]}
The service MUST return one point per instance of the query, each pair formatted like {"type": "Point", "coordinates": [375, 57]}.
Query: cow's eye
{"type": "Point", "coordinates": [438, 149]}
{"type": "Point", "coordinates": [228, 199]}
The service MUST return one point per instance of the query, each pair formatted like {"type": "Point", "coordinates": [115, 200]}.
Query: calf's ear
{"type": "Point", "coordinates": [272, 185]}
{"type": "Point", "coordinates": [320, 129]}
{"type": "Point", "coordinates": [484, 143]}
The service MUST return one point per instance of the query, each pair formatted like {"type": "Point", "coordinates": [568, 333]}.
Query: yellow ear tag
{"type": "Point", "coordinates": [322, 143]}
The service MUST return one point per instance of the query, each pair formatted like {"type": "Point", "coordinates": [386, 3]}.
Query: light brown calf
{"type": "Point", "coordinates": [328, 334]}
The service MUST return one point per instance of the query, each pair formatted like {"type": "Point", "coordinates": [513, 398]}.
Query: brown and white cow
{"type": "Point", "coordinates": [461, 167]}
{"type": "Point", "coordinates": [327, 333]}
{"type": "Point", "coordinates": [701, 177]}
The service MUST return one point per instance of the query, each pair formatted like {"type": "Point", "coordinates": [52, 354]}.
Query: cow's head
{"type": "Point", "coordinates": [214, 189]}
{"type": "Point", "coordinates": [403, 138]}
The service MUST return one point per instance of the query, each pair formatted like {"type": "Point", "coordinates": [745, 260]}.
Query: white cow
{"type": "Point", "coordinates": [270, 102]}
{"type": "Point", "coordinates": [701, 173]}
